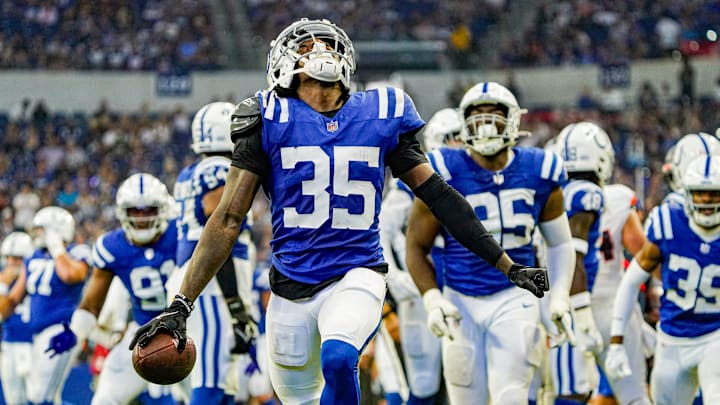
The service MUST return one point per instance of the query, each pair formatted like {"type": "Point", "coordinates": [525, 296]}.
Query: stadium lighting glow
{"type": "Point", "coordinates": [711, 35]}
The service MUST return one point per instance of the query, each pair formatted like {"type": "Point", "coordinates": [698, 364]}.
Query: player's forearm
{"type": "Point", "coordinates": [70, 271]}
{"type": "Point", "coordinates": [579, 280]}
{"type": "Point", "coordinates": [212, 250]}
{"type": "Point", "coordinates": [420, 268]}
{"type": "Point", "coordinates": [560, 254]}
{"type": "Point", "coordinates": [625, 300]}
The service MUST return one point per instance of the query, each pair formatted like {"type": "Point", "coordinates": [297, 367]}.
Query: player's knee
{"type": "Point", "coordinates": [338, 360]}
{"type": "Point", "coordinates": [511, 394]}
{"type": "Point", "coordinates": [425, 385]}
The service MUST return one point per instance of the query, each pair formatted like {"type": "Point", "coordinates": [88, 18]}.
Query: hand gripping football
{"type": "Point", "coordinates": [159, 361]}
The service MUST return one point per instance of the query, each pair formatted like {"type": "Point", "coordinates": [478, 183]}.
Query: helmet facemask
{"type": "Point", "coordinates": [702, 181]}
{"type": "Point", "coordinates": [143, 208]}
{"type": "Point", "coordinates": [317, 48]}
{"type": "Point", "coordinates": [487, 133]}
{"type": "Point", "coordinates": [143, 224]}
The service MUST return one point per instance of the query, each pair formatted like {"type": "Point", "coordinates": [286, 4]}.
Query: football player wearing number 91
{"type": "Point", "coordinates": [141, 253]}
{"type": "Point", "coordinates": [685, 240]}
{"type": "Point", "coordinates": [320, 153]}
{"type": "Point", "coordinates": [491, 340]}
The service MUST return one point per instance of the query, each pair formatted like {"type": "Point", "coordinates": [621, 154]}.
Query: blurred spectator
{"type": "Point", "coordinates": [21, 112]}
{"type": "Point", "coordinates": [585, 100]}
{"type": "Point", "coordinates": [686, 79]}
{"type": "Point", "coordinates": [647, 98]}
{"type": "Point", "coordinates": [25, 203]}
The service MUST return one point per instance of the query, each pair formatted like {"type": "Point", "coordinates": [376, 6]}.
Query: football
{"type": "Point", "coordinates": [159, 362]}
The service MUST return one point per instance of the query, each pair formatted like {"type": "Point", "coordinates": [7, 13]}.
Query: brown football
{"type": "Point", "coordinates": [159, 362]}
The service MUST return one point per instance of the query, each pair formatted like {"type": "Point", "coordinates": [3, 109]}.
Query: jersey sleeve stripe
{"type": "Point", "coordinates": [382, 103]}
{"type": "Point", "coordinates": [270, 107]}
{"type": "Point", "coordinates": [655, 223]}
{"type": "Point", "coordinates": [667, 224]}
{"type": "Point", "coordinates": [101, 255]}
{"type": "Point", "coordinates": [399, 103]}
{"type": "Point", "coordinates": [284, 110]}
{"type": "Point", "coordinates": [438, 163]}
{"type": "Point", "coordinates": [557, 167]}
{"type": "Point", "coordinates": [546, 165]}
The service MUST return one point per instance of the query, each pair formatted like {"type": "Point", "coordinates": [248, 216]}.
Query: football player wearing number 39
{"type": "Point", "coordinates": [320, 153]}
{"type": "Point", "coordinates": [489, 356]}
{"type": "Point", "coordinates": [684, 239]}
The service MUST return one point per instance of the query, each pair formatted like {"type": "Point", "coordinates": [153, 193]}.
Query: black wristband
{"type": "Point", "coordinates": [459, 218]}
{"type": "Point", "coordinates": [184, 301]}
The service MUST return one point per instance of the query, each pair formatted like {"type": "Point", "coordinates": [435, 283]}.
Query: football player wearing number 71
{"type": "Point", "coordinates": [685, 240]}
{"type": "Point", "coordinates": [320, 153]}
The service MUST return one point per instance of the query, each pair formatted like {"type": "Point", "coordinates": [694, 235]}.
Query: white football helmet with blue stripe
{"type": "Point", "coordinates": [685, 151]}
{"type": "Point", "coordinates": [55, 218]}
{"type": "Point", "coordinates": [444, 126]}
{"type": "Point", "coordinates": [488, 134]}
{"type": "Point", "coordinates": [585, 147]}
{"type": "Point", "coordinates": [142, 207]}
{"type": "Point", "coordinates": [16, 244]}
{"type": "Point", "coordinates": [211, 128]}
{"type": "Point", "coordinates": [703, 174]}
{"type": "Point", "coordinates": [298, 49]}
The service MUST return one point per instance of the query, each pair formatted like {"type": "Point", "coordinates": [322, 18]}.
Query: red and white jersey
{"type": "Point", "coordinates": [620, 200]}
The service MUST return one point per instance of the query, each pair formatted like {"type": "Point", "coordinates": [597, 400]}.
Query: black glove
{"type": "Point", "coordinates": [533, 279]}
{"type": "Point", "coordinates": [171, 321]}
{"type": "Point", "coordinates": [244, 326]}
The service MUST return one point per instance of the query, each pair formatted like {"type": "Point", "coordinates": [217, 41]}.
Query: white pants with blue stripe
{"type": "Point", "coordinates": [47, 375]}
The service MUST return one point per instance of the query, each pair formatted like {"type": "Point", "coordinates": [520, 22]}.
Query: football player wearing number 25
{"type": "Point", "coordinates": [320, 153]}
{"type": "Point", "coordinates": [493, 345]}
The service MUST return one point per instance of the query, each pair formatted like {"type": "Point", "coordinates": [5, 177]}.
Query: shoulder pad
{"type": "Point", "coordinates": [245, 117]}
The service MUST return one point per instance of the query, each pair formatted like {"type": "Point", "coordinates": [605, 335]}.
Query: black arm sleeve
{"type": "Point", "coordinates": [406, 155]}
{"type": "Point", "coordinates": [248, 153]}
{"type": "Point", "coordinates": [458, 217]}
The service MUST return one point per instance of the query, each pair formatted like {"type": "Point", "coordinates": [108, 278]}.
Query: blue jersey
{"type": "Point", "coordinates": [674, 198]}
{"type": "Point", "coordinates": [192, 184]}
{"type": "Point", "coordinates": [51, 300]}
{"type": "Point", "coordinates": [143, 270]}
{"type": "Point", "coordinates": [327, 177]}
{"type": "Point", "coordinates": [16, 327]}
{"type": "Point", "coordinates": [586, 196]}
{"type": "Point", "coordinates": [690, 305]}
{"type": "Point", "coordinates": [508, 202]}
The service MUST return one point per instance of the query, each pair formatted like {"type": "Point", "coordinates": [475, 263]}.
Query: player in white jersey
{"type": "Point", "coordinates": [490, 329]}
{"type": "Point", "coordinates": [320, 153]}
{"type": "Point", "coordinates": [224, 326]}
{"type": "Point", "coordinates": [421, 350]}
{"type": "Point", "coordinates": [589, 159]}
{"type": "Point", "coordinates": [142, 255]}
{"type": "Point", "coordinates": [620, 230]}
{"type": "Point", "coordinates": [53, 281]}
{"type": "Point", "coordinates": [16, 338]}
{"type": "Point", "coordinates": [685, 240]}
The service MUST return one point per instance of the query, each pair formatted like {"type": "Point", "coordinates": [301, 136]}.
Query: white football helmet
{"type": "Point", "coordinates": [142, 191]}
{"type": "Point", "coordinates": [330, 61]}
{"type": "Point", "coordinates": [211, 128]}
{"type": "Point", "coordinates": [481, 131]}
{"type": "Point", "coordinates": [686, 150]}
{"type": "Point", "coordinates": [702, 174]}
{"type": "Point", "coordinates": [585, 147]}
{"type": "Point", "coordinates": [667, 170]}
{"type": "Point", "coordinates": [57, 219]}
{"type": "Point", "coordinates": [17, 244]}
{"type": "Point", "coordinates": [444, 126]}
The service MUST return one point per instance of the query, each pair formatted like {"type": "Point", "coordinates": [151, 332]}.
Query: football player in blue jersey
{"type": "Point", "coordinates": [53, 281]}
{"type": "Point", "coordinates": [421, 352]}
{"type": "Point", "coordinates": [16, 337]}
{"type": "Point", "coordinates": [320, 153]}
{"type": "Point", "coordinates": [491, 341]}
{"type": "Point", "coordinates": [589, 159]}
{"type": "Point", "coordinates": [141, 253]}
{"type": "Point", "coordinates": [223, 327]}
{"type": "Point", "coordinates": [685, 241]}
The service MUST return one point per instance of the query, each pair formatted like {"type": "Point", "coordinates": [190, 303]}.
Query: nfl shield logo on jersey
{"type": "Point", "coordinates": [332, 126]}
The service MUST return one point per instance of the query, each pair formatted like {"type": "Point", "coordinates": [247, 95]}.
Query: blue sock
{"type": "Point", "coordinates": [339, 367]}
{"type": "Point", "coordinates": [209, 396]}
{"type": "Point", "coordinates": [413, 400]}
{"type": "Point", "coordinates": [532, 402]}
{"type": "Point", "coordinates": [393, 398]}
